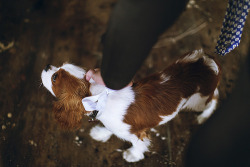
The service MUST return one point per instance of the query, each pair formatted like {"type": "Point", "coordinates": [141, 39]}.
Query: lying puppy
{"type": "Point", "coordinates": [189, 83]}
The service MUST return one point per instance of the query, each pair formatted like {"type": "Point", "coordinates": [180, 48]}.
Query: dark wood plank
{"type": "Point", "coordinates": [57, 31]}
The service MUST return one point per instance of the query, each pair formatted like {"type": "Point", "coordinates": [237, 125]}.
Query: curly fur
{"type": "Point", "coordinates": [189, 83]}
{"type": "Point", "coordinates": [68, 109]}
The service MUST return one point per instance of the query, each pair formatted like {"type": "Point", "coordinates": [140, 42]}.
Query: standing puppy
{"type": "Point", "coordinates": [189, 83]}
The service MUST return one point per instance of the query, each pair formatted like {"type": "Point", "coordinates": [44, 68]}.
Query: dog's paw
{"type": "Point", "coordinates": [101, 134]}
{"type": "Point", "coordinates": [131, 156]}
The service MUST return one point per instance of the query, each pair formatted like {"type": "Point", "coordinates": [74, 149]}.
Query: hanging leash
{"type": "Point", "coordinates": [233, 24]}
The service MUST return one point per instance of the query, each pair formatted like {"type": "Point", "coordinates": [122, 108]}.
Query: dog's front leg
{"type": "Point", "coordinates": [101, 134]}
{"type": "Point", "coordinates": [136, 152]}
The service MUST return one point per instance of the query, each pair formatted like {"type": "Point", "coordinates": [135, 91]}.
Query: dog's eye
{"type": "Point", "coordinates": [54, 76]}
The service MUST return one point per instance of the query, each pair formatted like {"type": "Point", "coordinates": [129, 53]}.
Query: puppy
{"type": "Point", "coordinates": [189, 83]}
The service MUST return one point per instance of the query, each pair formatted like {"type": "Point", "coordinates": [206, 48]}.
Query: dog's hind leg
{"type": "Point", "coordinates": [211, 106]}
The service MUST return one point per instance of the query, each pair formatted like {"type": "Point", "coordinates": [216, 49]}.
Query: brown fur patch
{"type": "Point", "coordinates": [155, 98]}
{"type": "Point", "coordinates": [70, 91]}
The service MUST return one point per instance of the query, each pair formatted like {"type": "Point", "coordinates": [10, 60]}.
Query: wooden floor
{"type": "Point", "coordinates": [35, 33]}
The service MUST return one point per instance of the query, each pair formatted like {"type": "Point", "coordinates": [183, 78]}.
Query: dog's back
{"type": "Point", "coordinates": [190, 83]}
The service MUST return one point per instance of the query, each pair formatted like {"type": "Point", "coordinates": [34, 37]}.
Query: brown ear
{"type": "Point", "coordinates": [68, 113]}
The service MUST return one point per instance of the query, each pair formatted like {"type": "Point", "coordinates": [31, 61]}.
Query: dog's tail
{"type": "Point", "coordinates": [196, 55]}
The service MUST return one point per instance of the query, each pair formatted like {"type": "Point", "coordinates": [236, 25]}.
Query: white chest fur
{"type": "Point", "coordinates": [112, 118]}
{"type": "Point", "coordinates": [112, 114]}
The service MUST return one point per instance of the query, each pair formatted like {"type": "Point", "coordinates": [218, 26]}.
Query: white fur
{"type": "Point", "coordinates": [164, 78]}
{"type": "Point", "coordinates": [211, 106]}
{"type": "Point", "coordinates": [96, 89]}
{"type": "Point", "coordinates": [207, 112]}
{"type": "Point", "coordinates": [112, 118]}
{"type": "Point", "coordinates": [101, 134]}
{"type": "Point", "coordinates": [196, 102]}
{"type": "Point", "coordinates": [194, 56]}
{"type": "Point", "coordinates": [136, 152]}
{"type": "Point", "coordinates": [211, 63]}
{"type": "Point", "coordinates": [216, 93]}
{"type": "Point", "coordinates": [117, 103]}
{"type": "Point", "coordinates": [197, 54]}
{"type": "Point", "coordinates": [72, 69]}
{"type": "Point", "coordinates": [113, 114]}
{"type": "Point", "coordinates": [169, 117]}
{"type": "Point", "coordinates": [46, 78]}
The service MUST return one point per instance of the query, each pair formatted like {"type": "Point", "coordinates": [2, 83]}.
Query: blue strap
{"type": "Point", "coordinates": [233, 24]}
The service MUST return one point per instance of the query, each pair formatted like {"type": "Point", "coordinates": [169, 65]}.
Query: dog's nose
{"type": "Point", "coordinates": [47, 67]}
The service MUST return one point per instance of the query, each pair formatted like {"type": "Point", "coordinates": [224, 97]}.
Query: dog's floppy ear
{"type": "Point", "coordinates": [68, 112]}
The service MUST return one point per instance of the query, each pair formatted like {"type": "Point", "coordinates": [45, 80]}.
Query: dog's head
{"type": "Point", "coordinates": [68, 84]}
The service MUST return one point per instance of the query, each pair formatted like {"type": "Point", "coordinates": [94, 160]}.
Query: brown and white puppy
{"type": "Point", "coordinates": [189, 83]}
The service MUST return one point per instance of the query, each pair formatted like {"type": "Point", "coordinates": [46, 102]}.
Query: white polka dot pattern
{"type": "Point", "coordinates": [233, 24]}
